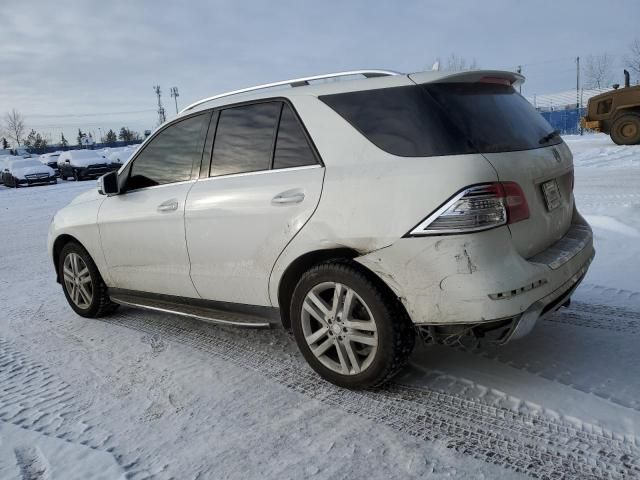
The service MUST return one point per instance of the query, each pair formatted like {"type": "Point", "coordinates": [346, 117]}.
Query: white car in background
{"type": "Point", "coordinates": [24, 172]}
{"type": "Point", "coordinates": [82, 164]}
{"type": "Point", "coordinates": [51, 160]}
{"type": "Point", "coordinates": [117, 157]}
{"type": "Point", "coordinates": [365, 213]}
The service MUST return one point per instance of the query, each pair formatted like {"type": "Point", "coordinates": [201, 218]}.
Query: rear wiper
{"type": "Point", "coordinates": [549, 136]}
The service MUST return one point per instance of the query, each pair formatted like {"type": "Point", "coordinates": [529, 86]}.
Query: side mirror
{"type": "Point", "coordinates": [67, 161]}
{"type": "Point", "coordinates": [108, 184]}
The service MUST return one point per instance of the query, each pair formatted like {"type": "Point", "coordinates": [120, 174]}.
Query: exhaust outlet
{"type": "Point", "coordinates": [627, 82]}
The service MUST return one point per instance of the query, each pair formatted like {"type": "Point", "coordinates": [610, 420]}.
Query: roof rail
{"type": "Point", "coordinates": [296, 82]}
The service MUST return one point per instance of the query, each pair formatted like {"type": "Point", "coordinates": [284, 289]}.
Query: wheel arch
{"type": "Point", "coordinates": [300, 265]}
{"type": "Point", "coordinates": [58, 245]}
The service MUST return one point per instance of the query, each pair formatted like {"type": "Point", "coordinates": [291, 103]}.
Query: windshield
{"type": "Point", "coordinates": [444, 119]}
{"type": "Point", "coordinates": [494, 117]}
{"type": "Point", "coordinates": [25, 163]}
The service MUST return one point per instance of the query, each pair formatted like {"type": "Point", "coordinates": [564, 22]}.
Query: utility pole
{"type": "Point", "coordinates": [161, 116]}
{"type": "Point", "coordinates": [175, 95]}
{"type": "Point", "coordinates": [578, 89]}
{"type": "Point", "coordinates": [520, 85]}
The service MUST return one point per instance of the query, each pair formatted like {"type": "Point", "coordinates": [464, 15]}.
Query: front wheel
{"type": "Point", "coordinates": [82, 284]}
{"type": "Point", "coordinates": [349, 328]}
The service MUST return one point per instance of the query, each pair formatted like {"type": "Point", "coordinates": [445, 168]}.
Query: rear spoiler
{"type": "Point", "coordinates": [470, 76]}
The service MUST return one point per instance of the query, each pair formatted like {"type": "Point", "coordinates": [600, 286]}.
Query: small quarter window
{"type": "Point", "coordinates": [292, 147]}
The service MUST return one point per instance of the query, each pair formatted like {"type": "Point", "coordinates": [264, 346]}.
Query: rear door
{"type": "Point", "coordinates": [264, 183]}
{"type": "Point", "coordinates": [142, 229]}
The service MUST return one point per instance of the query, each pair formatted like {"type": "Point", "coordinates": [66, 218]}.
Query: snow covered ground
{"type": "Point", "coordinates": [142, 395]}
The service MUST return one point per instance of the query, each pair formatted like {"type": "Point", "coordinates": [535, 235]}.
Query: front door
{"type": "Point", "coordinates": [142, 229]}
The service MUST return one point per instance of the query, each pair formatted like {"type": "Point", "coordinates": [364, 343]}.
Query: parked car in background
{"type": "Point", "coordinates": [82, 164]}
{"type": "Point", "coordinates": [51, 160]}
{"type": "Point", "coordinates": [435, 205]}
{"type": "Point", "coordinates": [4, 162]}
{"type": "Point", "coordinates": [27, 171]}
{"type": "Point", "coordinates": [117, 157]}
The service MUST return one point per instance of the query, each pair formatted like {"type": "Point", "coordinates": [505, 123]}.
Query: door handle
{"type": "Point", "coordinates": [288, 197]}
{"type": "Point", "coordinates": [168, 206]}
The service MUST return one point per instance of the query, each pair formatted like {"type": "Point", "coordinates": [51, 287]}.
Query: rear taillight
{"type": "Point", "coordinates": [477, 208]}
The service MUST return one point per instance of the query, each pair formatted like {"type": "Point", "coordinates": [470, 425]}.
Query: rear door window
{"type": "Point", "coordinates": [171, 155]}
{"type": "Point", "coordinates": [292, 147]}
{"type": "Point", "coordinates": [245, 138]}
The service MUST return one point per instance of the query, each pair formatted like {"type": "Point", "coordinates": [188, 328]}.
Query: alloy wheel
{"type": "Point", "coordinates": [339, 328]}
{"type": "Point", "coordinates": [77, 280]}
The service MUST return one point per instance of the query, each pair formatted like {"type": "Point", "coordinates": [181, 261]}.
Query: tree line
{"type": "Point", "coordinates": [13, 132]}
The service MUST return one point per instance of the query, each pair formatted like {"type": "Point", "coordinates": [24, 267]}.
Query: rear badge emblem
{"type": "Point", "coordinates": [556, 155]}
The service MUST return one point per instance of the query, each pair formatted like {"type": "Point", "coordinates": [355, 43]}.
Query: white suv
{"type": "Point", "coordinates": [360, 211]}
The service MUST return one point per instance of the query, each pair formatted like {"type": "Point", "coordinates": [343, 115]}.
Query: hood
{"type": "Point", "coordinates": [88, 196]}
{"type": "Point", "coordinates": [21, 172]}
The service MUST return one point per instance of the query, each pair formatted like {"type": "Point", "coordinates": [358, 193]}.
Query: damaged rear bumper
{"type": "Point", "coordinates": [480, 279]}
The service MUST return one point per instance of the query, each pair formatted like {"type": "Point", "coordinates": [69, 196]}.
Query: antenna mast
{"type": "Point", "coordinates": [161, 116]}
{"type": "Point", "coordinates": [175, 95]}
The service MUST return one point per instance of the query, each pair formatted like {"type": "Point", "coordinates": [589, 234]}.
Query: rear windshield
{"type": "Point", "coordinates": [445, 119]}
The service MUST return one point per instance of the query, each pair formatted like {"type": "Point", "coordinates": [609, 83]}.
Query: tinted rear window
{"type": "Point", "coordinates": [444, 119]}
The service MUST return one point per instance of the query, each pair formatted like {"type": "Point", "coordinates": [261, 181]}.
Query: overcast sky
{"type": "Point", "coordinates": [61, 60]}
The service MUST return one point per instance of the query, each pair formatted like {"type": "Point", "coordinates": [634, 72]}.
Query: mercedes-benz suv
{"type": "Point", "coordinates": [360, 213]}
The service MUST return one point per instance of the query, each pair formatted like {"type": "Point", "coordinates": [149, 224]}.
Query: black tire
{"type": "Point", "coordinates": [625, 129]}
{"type": "Point", "coordinates": [396, 333]}
{"type": "Point", "coordinates": [76, 175]}
{"type": "Point", "coordinates": [101, 305]}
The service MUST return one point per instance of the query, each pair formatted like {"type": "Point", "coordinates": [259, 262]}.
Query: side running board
{"type": "Point", "coordinates": [193, 309]}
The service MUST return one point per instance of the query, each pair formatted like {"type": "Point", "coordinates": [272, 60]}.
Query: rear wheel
{"type": "Point", "coordinates": [349, 328]}
{"type": "Point", "coordinates": [82, 284]}
{"type": "Point", "coordinates": [626, 129]}
{"type": "Point", "coordinates": [76, 175]}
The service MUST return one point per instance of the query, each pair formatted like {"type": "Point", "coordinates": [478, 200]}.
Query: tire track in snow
{"type": "Point", "coordinates": [32, 463]}
{"type": "Point", "coordinates": [31, 397]}
{"type": "Point", "coordinates": [617, 319]}
{"type": "Point", "coordinates": [525, 441]}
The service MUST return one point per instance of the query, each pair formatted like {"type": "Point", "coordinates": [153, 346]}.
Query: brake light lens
{"type": "Point", "coordinates": [515, 202]}
{"type": "Point", "coordinates": [477, 208]}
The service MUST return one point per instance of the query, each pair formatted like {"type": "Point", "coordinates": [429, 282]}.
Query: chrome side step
{"type": "Point", "coordinates": [212, 315]}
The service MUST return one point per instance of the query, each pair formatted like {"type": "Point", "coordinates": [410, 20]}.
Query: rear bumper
{"type": "Point", "coordinates": [481, 278]}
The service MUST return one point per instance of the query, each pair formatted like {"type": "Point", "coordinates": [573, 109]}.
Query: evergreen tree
{"type": "Point", "coordinates": [5, 144]}
{"type": "Point", "coordinates": [81, 136]}
{"type": "Point", "coordinates": [63, 141]}
{"type": "Point", "coordinates": [111, 137]}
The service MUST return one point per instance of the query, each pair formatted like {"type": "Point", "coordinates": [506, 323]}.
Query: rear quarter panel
{"type": "Point", "coordinates": [370, 198]}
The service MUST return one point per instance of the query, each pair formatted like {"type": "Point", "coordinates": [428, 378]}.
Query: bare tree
{"type": "Point", "coordinates": [454, 63]}
{"type": "Point", "coordinates": [14, 125]}
{"type": "Point", "coordinates": [632, 59]}
{"type": "Point", "coordinates": [597, 71]}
